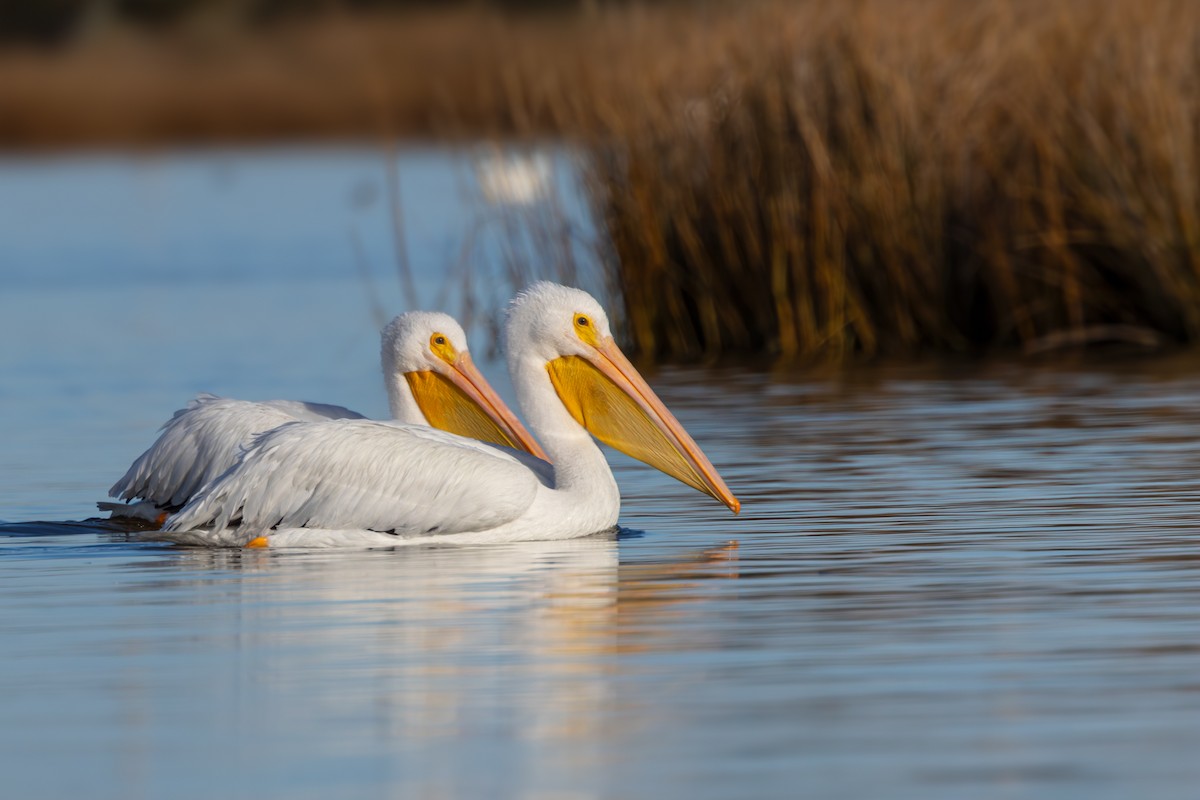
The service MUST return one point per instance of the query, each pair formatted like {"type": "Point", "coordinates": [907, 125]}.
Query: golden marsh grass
{"type": "Point", "coordinates": [907, 177]}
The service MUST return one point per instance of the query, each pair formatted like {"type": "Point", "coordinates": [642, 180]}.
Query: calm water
{"type": "Point", "coordinates": [948, 581]}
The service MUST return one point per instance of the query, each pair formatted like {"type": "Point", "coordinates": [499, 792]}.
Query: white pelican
{"type": "Point", "coordinates": [360, 482]}
{"type": "Point", "coordinates": [430, 378]}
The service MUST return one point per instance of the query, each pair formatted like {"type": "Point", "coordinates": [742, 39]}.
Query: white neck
{"type": "Point", "coordinates": [403, 405]}
{"type": "Point", "coordinates": [579, 465]}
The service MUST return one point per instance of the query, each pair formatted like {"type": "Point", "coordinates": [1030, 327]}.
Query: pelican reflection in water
{"type": "Point", "coordinates": [416, 639]}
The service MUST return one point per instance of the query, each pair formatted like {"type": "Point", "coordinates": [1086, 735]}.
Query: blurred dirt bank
{"type": "Point", "coordinates": [455, 71]}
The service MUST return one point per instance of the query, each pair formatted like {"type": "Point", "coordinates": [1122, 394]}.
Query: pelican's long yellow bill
{"type": "Point", "coordinates": [464, 403]}
{"type": "Point", "coordinates": [608, 397]}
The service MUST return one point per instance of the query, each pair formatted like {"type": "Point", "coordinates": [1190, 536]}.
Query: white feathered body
{"type": "Point", "coordinates": [203, 440]}
{"type": "Point", "coordinates": [365, 482]}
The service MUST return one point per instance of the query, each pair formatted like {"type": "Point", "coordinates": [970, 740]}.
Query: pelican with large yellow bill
{"type": "Point", "coordinates": [431, 381]}
{"type": "Point", "coordinates": [356, 482]}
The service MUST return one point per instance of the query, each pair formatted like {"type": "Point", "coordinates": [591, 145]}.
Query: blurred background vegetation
{"type": "Point", "coordinates": [799, 179]}
{"type": "Point", "coordinates": [57, 22]}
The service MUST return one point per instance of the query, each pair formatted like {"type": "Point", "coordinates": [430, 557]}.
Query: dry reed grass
{"type": "Point", "coordinates": [903, 177]}
{"type": "Point", "coordinates": [805, 179]}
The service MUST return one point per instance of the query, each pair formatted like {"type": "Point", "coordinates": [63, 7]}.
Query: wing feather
{"type": "Point", "coordinates": [203, 440]}
{"type": "Point", "coordinates": [362, 474]}
{"type": "Point", "coordinates": [312, 412]}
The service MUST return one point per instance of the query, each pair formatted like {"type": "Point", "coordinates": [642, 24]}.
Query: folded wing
{"type": "Point", "coordinates": [203, 440]}
{"type": "Point", "coordinates": [363, 474]}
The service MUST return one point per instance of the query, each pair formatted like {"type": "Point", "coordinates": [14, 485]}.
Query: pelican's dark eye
{"type": "Point", "coordinates": [439, 345]}
{"type": "Point", "coordinates": [585, 329]}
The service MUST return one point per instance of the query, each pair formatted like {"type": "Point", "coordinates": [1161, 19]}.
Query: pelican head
{"type": "Point", "coordinates": [430, 374]}
{"type": "Point", "coordinates": [567, 330]}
